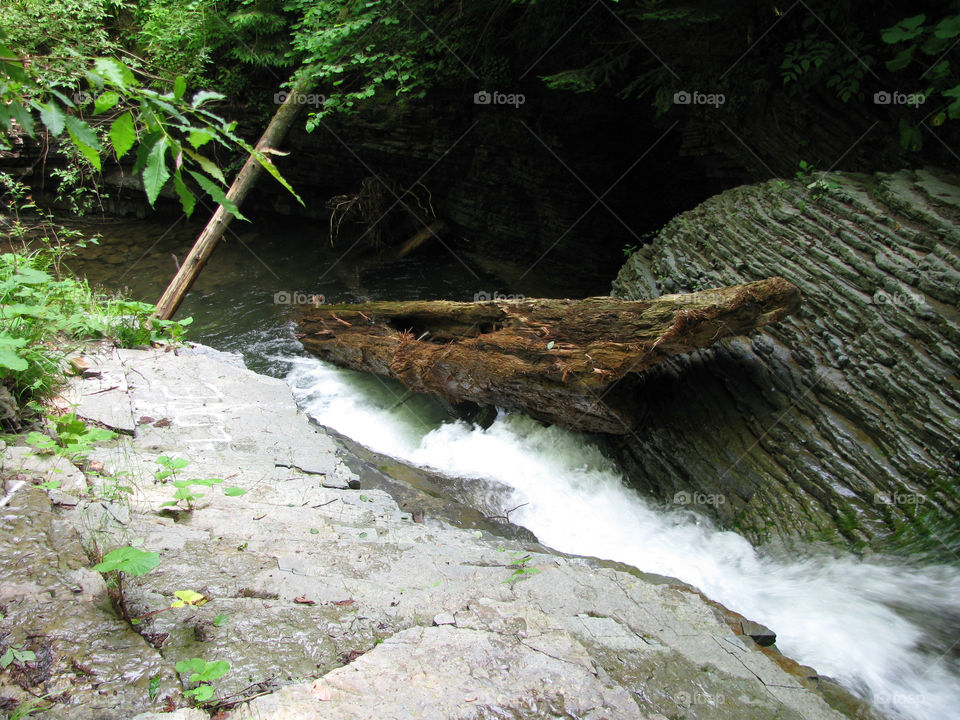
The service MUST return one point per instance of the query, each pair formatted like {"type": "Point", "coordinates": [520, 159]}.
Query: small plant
{"type": "Point", "coordinates": [184, 493]}
{"type": "Point", "coordinates": [27, 707]}
{"type": "Point", "coordinates": [74, 438]}
{"type": "Point", "coordinates": [806, 171]}
{"type": "Point", "coordinates": [130, 560]}
{"type": "Point", "coordinates": [203, 672]}
{"type": "Point", "coordinates": [123, 561]}
{"type": "Point", "coordinates": [169, 466]}
{"type": "Point", "coordinates": [16, 653]}
{"type": "Point", "coordinates": [629, 249]}
{"type": "Point", "coordinates": [182, 598]}
{"type": "Point", "coordinates": [520, 569]}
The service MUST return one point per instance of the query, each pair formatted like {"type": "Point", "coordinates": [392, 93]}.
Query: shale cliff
{"type": "Point", "coordinates": [840, 423]}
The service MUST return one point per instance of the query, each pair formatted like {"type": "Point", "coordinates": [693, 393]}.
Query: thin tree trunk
{"type": "Point", "coordinates": [247, 177]}
{"type": "Point", "coordinates": [574, 363]}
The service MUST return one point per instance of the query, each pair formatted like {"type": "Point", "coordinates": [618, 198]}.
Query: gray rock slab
{"type": "Point", "coordinates": [340, 606]}
{"type": "Point", "coordinates": [25, 460]}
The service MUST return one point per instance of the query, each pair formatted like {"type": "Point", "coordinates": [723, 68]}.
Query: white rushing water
{"type": "Point", "coordinates": [883, 628]}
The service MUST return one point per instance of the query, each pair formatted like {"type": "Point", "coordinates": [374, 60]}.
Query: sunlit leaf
{"type": "Point", "coordinates": [217, 194]}
{"type": "Point", "coordinates": [122, 134]}
{"type": "Point", "coordinates": [130, 560]}
{"type": "Point", "coordinates": [156, 174]}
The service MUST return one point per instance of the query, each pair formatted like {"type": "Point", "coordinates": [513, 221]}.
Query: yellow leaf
{"type": "Point", "coordinates": [188, 597]}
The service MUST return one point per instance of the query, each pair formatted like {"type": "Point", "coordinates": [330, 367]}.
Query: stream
{"type": "Point", "coordinates": [885, 627]}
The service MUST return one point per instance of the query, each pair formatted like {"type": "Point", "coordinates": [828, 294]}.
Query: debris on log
{"type": "Point", "coordinates": [574, 363]}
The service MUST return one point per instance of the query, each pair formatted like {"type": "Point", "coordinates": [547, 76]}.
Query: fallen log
{"type": "Point", "coordinates": [561, 361]}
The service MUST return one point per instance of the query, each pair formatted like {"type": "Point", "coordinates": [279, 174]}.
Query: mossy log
{"type": "Point", "coordinates": [557, 360]}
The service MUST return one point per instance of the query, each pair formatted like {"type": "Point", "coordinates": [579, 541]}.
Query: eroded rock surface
{"type": "Point", "coordinates": [840, 423]}
{"type": "Point", "coordinates": [326, 601]}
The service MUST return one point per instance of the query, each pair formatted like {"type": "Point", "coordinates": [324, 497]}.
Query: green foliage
{"type": "Point", "coordinates": [114, 107]}
{"type": "Point", "coordinates": [16, 653]}
{"type": "Point", "coordinates": [203, 672]}
{"type": "Point", "coordinates": [923, 55]}
{"type": "Point", "coordinates": [130, 560]}
{"type": "Point", "coordinates": [170, 466]}
{"type": "Point", "coordinates": [44, 311]}
{"type": "Point", "coordinates": [818, 60]}
{"type": "Point", "coordinates": [182, 491]}
{"type": "Point", "coordinates": [74, 438]}
{"type": "Point", "coordinates": [521, 571]}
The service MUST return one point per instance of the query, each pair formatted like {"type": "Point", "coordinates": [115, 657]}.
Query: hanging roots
{"type": "Point", "coordinates": [375, 206]}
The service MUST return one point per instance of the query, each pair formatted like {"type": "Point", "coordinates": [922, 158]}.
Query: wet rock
{"type": "Point", "coordinates": [352, 593]}
{"type": "Point", "coordinates": [809, 429]}
{"type": "Point", "coordinates": [181, 714]}
{"type": "Point", "coordinates": [336, 482]}
{"type": "Point", "coordinates": [90, 662]}
{"type": "Point", "coordinates": [761, 634]}
{"type": "Point", "coordinates": [27, 462]}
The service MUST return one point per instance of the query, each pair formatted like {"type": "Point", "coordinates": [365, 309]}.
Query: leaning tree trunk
{"type": "Point", "coordinates": [203, 248]}
{"type": "Point", "coordinates": [557, 360]}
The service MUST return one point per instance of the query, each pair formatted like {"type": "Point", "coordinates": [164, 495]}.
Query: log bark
{"type": "Point", "coordinates": [206, 243]}
{"type": "Point", "coordinates": [561, 361]}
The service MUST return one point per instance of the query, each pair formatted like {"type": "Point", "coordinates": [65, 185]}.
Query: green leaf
{"type": "Point", "coordinates": [906, 29]}
{"type": "Point", "coordinates": [177, 463]}
{"type": "Point", "coordinates": [22, 115]}
{"type": "Point", "coordinates": [187, 200]}
{"type": "Point", "coordinates": [217, 194]}
{"type": "Point", "coordinates": [211, 671]}
{"type": "Point", "coordinates": [268, 165]}
{"type": "Point", "coordinates": [105, 101]}
{"type": "Point", "coordinates": [114, 72]}
{"type": "Point", "coordinates": [201, 693]}
{"type": "Point", "coordinates": [902, 59]}
{"type": "Point", "coordinates": [234, 491]}
{"type": "Point", "coordinates": [143, 150]}
{"type": "Point", "coordinates": [6, 658]}
{"type": "Point", "coordinates": [220, 619]}
{"type": "Point", "coordinates": [179, 87]}
{"type": "Point", "coordinates": [84, 139]}
{"type": "Point", "coordinates": [199, 137]}
{"type": "Point", "coordinates": [550, 345]}
{"type": "Point", "coordinates": [206, 96]}
{"type": "Point", "coordinates": [52, 116]}
{"type": "Point", "coordinates": [209, 167]}
{"type": "Point", "coordinates": [130, 560]}
{"type": "Point", "coordinates": [10, 360]}
{"type": "Point", "coordinates": [156, 174]}
{"type": "Point", "coordinates": [193, 665]}
{"type": "Point", "coordinates": [948, 28]}
{"type": "Point", "coordinates": [122, 134]}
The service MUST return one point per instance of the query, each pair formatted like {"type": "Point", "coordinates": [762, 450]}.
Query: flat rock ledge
{"type": "Point", "coordinates": [328, 602]}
